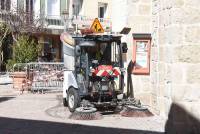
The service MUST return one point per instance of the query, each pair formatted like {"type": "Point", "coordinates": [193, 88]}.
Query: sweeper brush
{"type": "Point", "coordinates": [82, 113]}
{"type": "Point", "coordinates": [85, 116]}
{"type": "Point", "coordinates": [132, 111]}
{"type": "Point", "coordinates": [133, 107]}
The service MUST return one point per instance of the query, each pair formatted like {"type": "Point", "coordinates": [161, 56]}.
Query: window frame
{"type": "Point", "coordinates": [52, 15]}
{"type": "Point", "coordinates": [104, 6]}
{"type": "Point", "coordinates": [141, 70]}
{"type": "Point", "coordinates": [2, 4]}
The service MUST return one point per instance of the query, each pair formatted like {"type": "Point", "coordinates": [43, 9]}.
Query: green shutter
{"type": "Point", "coordinates": [42, 7]}
{"type": "Point", "coordinates": [20, 4]}
{"type": "Point", "coordinates": [63, 6]}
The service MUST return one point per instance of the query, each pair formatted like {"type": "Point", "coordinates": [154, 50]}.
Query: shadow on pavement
{"type": "Point", "coordinates": [2, 99]}
{"type": "Point", "coordinates": [22, 126]}
{"type": "Point", "coordinates": [181, 122]}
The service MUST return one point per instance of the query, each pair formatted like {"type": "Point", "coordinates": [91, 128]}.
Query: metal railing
{"type": "Point", "coordinates": [52, 21]}
{"type": "Point", "coordinates": [84, 21]}
{"type": "Point", "coordinates": [42, 76]}
{"type": "Point", "coordinates": [81, 20]}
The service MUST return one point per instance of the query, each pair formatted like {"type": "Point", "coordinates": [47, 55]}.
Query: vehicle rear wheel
{"type": "Point", "coordinates": [73, 99]}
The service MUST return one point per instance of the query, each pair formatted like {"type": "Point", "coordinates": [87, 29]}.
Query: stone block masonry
{"type": "Point", "coordinates": [174, 79]}
{"type": "Point", "coordinates": [178, 41]}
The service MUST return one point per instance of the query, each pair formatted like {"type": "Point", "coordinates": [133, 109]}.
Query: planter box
{"type": "Point", "coordinates": [19, 79]}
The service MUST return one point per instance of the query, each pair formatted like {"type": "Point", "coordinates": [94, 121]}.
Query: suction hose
{"type": "Point", "coordinates": [133, 108]}
{"type": "Point", "coordinates": [130, 92]}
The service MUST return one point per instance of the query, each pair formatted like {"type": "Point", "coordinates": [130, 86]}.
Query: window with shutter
{"type": "Point", "coordinates": [29, 6]}
{"type": "Point", "coordinates": [102, 9]}
{"type": "Point", "coordinates": [8, 4]}
{"type": "Point", "coordinates": [2, 4]}
{"type": "Point", "coordinates": [20, 4]}
{"type": "Point", "coordinates": [42, 7]}
{"type": "Point", "coordinates": [53, 7]}
{"type": "Point", "coordinates": [63, 6]}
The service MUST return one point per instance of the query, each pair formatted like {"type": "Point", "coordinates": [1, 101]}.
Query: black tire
{"type": "Point", "coordinates": [75, 102]}
{"type": "Point", "coordinates": [65, 102]}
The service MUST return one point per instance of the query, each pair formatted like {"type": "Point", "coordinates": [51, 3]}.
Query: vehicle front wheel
{"type": "Point", "coordinates": [73, 99]}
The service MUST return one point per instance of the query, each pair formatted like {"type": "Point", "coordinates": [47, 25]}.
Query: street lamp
{"type": "Point", "coordinates": [65, 16]}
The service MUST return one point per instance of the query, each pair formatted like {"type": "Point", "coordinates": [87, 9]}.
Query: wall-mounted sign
{"type": "Point", "coordinates": [141, 53]}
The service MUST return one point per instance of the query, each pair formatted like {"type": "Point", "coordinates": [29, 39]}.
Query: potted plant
{"type": "Point", "coordinates": [25, 50]}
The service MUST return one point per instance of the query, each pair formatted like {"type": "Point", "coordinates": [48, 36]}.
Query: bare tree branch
{"type": "Point", "coordinates": [21, 22]}
{"type": "Point", "coordinates": [4, 36]}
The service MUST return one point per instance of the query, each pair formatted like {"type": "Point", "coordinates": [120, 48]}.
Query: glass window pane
{"type": "Point", "coordinates": [2, 4]}
{"type": "Point", "coordinates": [20, 4]}
{"type": "Point", "coordinates": [141, 54]}
{"type": "Point", "coordinates": [63, 5]}
{"type": "Point", "coordinates": [8, 4]}
{"type": "Point", "coordinates": [102, 7]}
{"type": "Point", "coordinates": [53, 7]}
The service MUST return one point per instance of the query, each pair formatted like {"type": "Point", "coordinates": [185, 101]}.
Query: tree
{"type": "Point", "coordinates": [4, 31]}
{"type": "Point", "coordinates": [20, 22]}
{"type": "Point", "coordinates": [26, 50]}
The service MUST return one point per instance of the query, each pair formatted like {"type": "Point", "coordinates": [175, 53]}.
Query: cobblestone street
{"type": "Point", "coordinates": [44, 113]}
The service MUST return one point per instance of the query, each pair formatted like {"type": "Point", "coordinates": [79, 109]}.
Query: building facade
{"type": "Point", "coordinates": [50, 14]}
{"type": "Point", "coordinates": [173, 82]}
{"type": "Point", "coordinates": [136, 14]}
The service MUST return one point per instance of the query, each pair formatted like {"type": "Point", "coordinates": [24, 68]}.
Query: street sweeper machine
{"type": "Point", "coordinates": [94, 73]}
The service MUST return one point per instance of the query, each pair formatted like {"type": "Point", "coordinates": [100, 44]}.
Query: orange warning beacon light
{"type": "Point", "coordinates": [86, 31]}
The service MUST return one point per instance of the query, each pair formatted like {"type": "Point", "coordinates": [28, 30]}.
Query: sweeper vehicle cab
{"type": "Point", "coordinates": [94, 71]}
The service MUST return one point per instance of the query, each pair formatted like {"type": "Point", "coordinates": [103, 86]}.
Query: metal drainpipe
{"type": "Point", "coordinates": [76, 14]}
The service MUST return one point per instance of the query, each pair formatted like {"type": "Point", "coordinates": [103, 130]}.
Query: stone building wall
{"type": "Point", "coordinates": [179, 62]}
{"type": "Point", "coordinates": [136, 14]}
{"type": "Point", "coordinates": [90, 8]}
{"type": "Point", "coordinates": [175, 50]}
{"type": "Point", "coordinates": [139, 20]}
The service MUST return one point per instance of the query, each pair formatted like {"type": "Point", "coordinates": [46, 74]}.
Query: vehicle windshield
{"type": "Point", "coordinates": [105, 53]}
